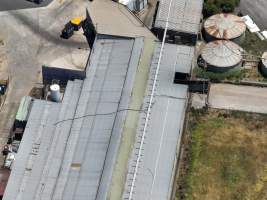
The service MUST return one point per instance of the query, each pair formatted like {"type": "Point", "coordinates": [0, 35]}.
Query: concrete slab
{"type": "Point", "coordinates": [199, 100]}
{"type": "Point", "coordinates": [112, 18]}
{"type": "Point", "coordinates": [242, 98]}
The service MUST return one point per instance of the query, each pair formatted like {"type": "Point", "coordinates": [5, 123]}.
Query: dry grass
{"type": "Point", "coordinates": [227, 157]}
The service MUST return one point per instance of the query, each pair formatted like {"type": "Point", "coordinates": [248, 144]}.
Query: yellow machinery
{"type": "Point", "coordinates": [76, 22]}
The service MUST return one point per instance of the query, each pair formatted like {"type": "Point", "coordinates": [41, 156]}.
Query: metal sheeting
{"type": "Point", "coordinates": [184, 17]}
{"type": "Point", "coordinates": [179, 57]}
{"type": "Point", "coordinates": [222, 53]}
{"type": "Point", "coordinates": [24, 108]}
{"type": "Point", "coordinates": [41, 138]}
{"type": "Point", "coordinates": [77, 139]}
{"type": "Point", "coordinates": [225, 26]}
{"type": "Point", "coordinates": [156, 169]}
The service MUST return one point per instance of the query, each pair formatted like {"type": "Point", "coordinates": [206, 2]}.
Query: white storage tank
{"type": "Point", "coordinates": [55, 93]}
{"type": "Point", "coordinates": [225, 26]}
{"type": "Point", "coordinates": [222, 56]}
{"type": "Point", "coordinates": [263, 64]}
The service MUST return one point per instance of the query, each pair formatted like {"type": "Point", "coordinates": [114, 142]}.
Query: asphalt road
{"type": "Point", "coordinates": [20, 4]}
{"type": "Point", "coordinates": [257, 10]}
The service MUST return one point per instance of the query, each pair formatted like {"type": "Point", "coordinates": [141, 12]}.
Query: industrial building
{"type": "Point", "coordinates": [156, 171]}
{"type": "Point", "coordinates": [221, 56]}
{"type": "Point", "coordinates": [70, 149]}
{"type": "Point", "coordinates": [183, 23]}
{"type": "Point", "coordinates": [225, 26]}
{"type": "Point", "coordinates": [64, 151]}
{"type": "Point", "coordinates": [82, 145]}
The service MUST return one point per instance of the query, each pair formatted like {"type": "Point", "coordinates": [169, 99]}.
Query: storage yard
{"type": "Point", "coordinates": [95, 103]}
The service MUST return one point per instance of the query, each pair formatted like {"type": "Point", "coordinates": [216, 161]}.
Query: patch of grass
{"type": "Point", "coordinates": [253, 44]}
{"type": "Point", "coordinates": [227, 157]}
{"type": "Point", "coordinates": [218, 77]}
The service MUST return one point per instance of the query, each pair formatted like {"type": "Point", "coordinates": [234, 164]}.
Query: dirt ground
{"type": "Point", "coordinates": [225, 157]}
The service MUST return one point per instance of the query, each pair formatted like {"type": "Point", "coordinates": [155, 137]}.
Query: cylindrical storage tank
{"type": "Point", "coordinates": [263, 64]}
{"type": "Point", "coordinates": [225, 26]}
{"type": "Point", "coordinates": [55, 93]}
{"type": "Point", "coordinates": [222, 56]}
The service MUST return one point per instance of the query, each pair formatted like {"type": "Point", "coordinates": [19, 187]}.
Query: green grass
{"type": "Point", "coordinates": [227, 156]}
{"type": "Point", "coordinates": [218, 77]}
{"type": "Point", "coordinates": [253, 44]}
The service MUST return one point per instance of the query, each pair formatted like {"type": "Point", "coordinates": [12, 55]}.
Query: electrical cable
{"type": "Point", "coordinates": [99, 114]}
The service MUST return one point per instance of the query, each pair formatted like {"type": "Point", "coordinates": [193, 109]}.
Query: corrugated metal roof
{"type": "Point", "coordinates": [24, 108]}
{"type": "Point", "coordinates": [185, 15]}
{"type": "Point", "coordinates": [179, 57]}
{"type": "Point", "coordinates": [222, 53]}
{"type": "Point", "coordinates": [225, 26]}
{"type": "Point", "coordinates": [68, 148]}
{"type": "Point", "coordinates": [156, 169]}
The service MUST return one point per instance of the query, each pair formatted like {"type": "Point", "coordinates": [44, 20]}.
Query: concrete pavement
{"type": "Point", "coordinates": [236, 97]}
{"type": "Point", "coordinates": [257, 10]}
{"type": "Point", "coordinates": [20, 4]}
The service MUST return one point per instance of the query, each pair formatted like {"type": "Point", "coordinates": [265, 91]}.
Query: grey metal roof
{"type": "Point", "coordinates": [179, 57]}
{"type": "Point", "coordinates": [159, 153]}
{"type": "Point", "coordinates": [185, 15]}
{"type": "Point", "coordinates": [68, 148]}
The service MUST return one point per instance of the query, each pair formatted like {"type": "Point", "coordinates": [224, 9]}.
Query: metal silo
{"type": "Point", "coordinates": [222, 56]}
{"type": "Point", "coordinates": [225, 26]}
{"type": "Point", "coordinates": [263, 64]}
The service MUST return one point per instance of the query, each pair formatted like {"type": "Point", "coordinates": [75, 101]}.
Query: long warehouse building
{"type": "Point", "coordinates": [70, 150]}
{"type": "Point", "coordinates": [159, 154]}
{"type": "Point", "coordinates": [184, 20]}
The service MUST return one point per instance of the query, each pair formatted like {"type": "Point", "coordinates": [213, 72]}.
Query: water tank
{"type": "Point", "coordinates": [222, 56]}
{"type": "Point", "coordinates": [263, 64]}
{"type": "Point", "coordinates": [225, 26]}
{"type": "Point", "coordinates": [55, 93]}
